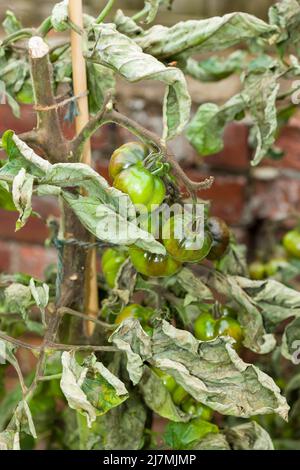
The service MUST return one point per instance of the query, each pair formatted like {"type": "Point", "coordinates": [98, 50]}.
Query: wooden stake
{"type": "Point", "coordinates": [80, 87]}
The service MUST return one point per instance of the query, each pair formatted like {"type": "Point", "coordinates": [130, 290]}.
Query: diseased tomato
{"type": "Point", "coordinates": [183, 243]}
{"type": "Point", "coordinates": [151, 264]}
{"type": "Point", "coordinates": [129, 175]}
{"type": "Point", "coordinates": [227, 326]}
{"type": "Point", "coordinates": [111, 263]}
{"type": "Point", "coordinates": [220, 237]}
{"type": "Point", "coordinates": [135, 311]}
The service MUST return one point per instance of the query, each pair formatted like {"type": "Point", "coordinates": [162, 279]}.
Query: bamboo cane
{"type": "Point", "coordinates": [79, 88]}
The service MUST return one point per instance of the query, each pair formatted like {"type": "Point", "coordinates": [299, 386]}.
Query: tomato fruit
{"type": "Point", "coordinates": [188, 247]}
{"type": "Point", "coordinates": [257, 271]}
{"type": "Point", "coordinates": [227, 326]}
{"type": "Point", "coordinates": [135, 311]}
{"type": "Point", "coordinates": [291, 242]}
{"type": "Point", "coordinates": [179, 394]}
{"type": "Point", "coordinates": [221, 237]}
{"type": "Point", "coordinates": [168, 381]}
{"type": "Point", "coordinates": [196, 409]}
{"type": "Point", "coordinates": [275, 265]}
{"type": "Point", "coordinates": [204, 327]}
{"type": "Point", "coordinates": [111, 262]}
{"type": "Point", "coordinates": [131, 177]}
{"type": "Point", "coordinates": [151, 264]}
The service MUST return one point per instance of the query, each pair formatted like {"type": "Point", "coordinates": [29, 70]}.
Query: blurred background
{"type": "Point", "coordinates": [251, 200]}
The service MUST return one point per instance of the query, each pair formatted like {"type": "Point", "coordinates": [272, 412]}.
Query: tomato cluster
{"type": "Point", "coordinates": [182, 398]}
{"type": "Point", "coordinates": [260, 270]}
{"type": "Point", "coordinates": [129, 175]}
{"type": "Point", "coordinates": [207, 327]}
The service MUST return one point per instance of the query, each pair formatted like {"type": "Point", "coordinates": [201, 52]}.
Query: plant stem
{"type": "Point", "coordinates": [45, 27]}
{"type": "Point", "coordinates": [17, 36]}
{"type": "Point", "coordinates": [106, 10]}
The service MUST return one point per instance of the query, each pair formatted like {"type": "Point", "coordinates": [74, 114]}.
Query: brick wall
{"type": "Point", "coordinates": [243, 196]}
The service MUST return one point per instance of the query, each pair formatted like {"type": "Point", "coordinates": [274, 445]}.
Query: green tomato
{"type": "Point", "coordinates": [228, 311]}
{"type": "Point", "coordinates": [126, 156]}
{"type": "Point", "coordinates": [168, 381]}
{"type": "Point", "coordinates": [25, 95]}
{"type": "Point", "coordinates": [135, 311]}
{"type": "Point", "coordinates": [221, 237]}
{"type": "Point", "coordinates": [111, 263]}
{"type": "Point", "coordinates": [275, 265]}
{"type": "Point", "coordinates": [257, 271]}
{"type": "Point", "coordinates": [227, 326]}
{"type": "Point", "coordinates": [151, 264]}
{"type": "Point", "coordinates": [183, 244]}
{"type": "Point", "coordinates": [142, 187]}
{"type": "Point", "coordinates": [204, 327]}
{"type": "Point", "coordinates": [291, 242]}
{"type": "Point", "coordinates": [196, 409]}
{"type": "Point", "coordinates": [179, 394]}
{"type": "Point", "coordinates": [131, 177]}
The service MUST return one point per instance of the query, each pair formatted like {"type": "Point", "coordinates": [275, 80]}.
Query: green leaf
{"type": "Point", "coordinates": [158, 398]}
{"type": "Point", "coordinates": [193, 286]}
{"type": "Point", "coordinates": [152, 7]}
{"type": "Point", "coordinates": [262, 93]}
{"type": "Point", "coordinates": [205, 131]}
{"type": "Point", "coordinates": [215, 68]}
{"type": "Point", "coordinates": [100, 80]}
{"type": "Point", "coordinates": [40, 295]}
{"type": "Point", "coordinates": [126, 25]}
{"type": "Point", "coordinates": [60, 16]}
{"type": "Point", "coordinates": [6, 200]}
{"type": "Point", "coordinates": [211, 372]}
{"type": "Point", "coordinates": [91, 389]}
{"type": "Point", "coordinates": [17, 298]}
{"type": "Point", "coordinates": [22, 189]}
{"type": "Point", "coordinates": [234, 261]}
{"type": "Point", "coordinates": [213, 34]}
{"type": "Point", "coordinates": [137, 346]}
{"type": "Point", "coordinates": [9, 440]}
{"type": "Point", "coordinates": [184, 436]}
{"type": "Point", "coordinates": [10, 23]}
{"type": "Point", "coordinates": [249, 314]}
{"type": "Point", "coordinates": [286, 16]}
{"type": "Point", "coordinates": [125, 425]}
{"type": "Point", "coordinates": [212, 441]}
{"type": "Point", "coordinates": [109, 226]}
{"type": "Point", "coordinates": [21, 156]}
{"type": "Point", "coordinates": [249, 436]}
{"type": "Point", "coordinates": [125, 57]}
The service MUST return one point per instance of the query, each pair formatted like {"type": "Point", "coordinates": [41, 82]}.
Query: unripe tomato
{"type": "Point", "coordinates": [221, 236]}
{"type": "Point", "coordinates": [204, 327]}
{"type": "Point", "coordinates": [135, 311]}
{"type": "Point", "coordinates": [196, 409]}
{"type": "Point", "coordinates": [291, 242]}
{"type": "Point", "coordinates": [131, 177]}
{"type": "Point", "coordinates": [111, 262]}
{"type": "Point", "coordinates": [125, 156]}
{"type": "Point", "coordinates": [25, 95]}
{"type": "Point", "coordinates": [274, 265]}
{"type": "Point", "coordinates": [227, 326]}
{"type": "Point", "coordinates": [228, 311]}
{"type": "Point", "coordinates": [179, 394]}
{"type": "Point", "coordinates": [257, 271]}
{"type": "Point", "coordinates": [151, 264]}
{"type": "Point", "coordinates": [183, 244]}
{"type": "Point", "coordinates": [168, 381]}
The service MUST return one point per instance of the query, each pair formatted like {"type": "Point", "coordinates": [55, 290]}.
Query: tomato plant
{"type": "Point", "coordinates": [180, 316]}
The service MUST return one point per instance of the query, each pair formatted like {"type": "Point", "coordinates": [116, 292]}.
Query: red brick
{"type": "Point", "coordinates": [33, 259]}
{"type": "Point", "coordinates": [274, 199]}
{"type": "Point", "coordinates": [235, 154]}
{"type": "Point", "coordinates": [5, 257]}
{"type": "Point", "coordinates": [227, 195]}
{"type": "Point", "coordinates": [289, 142]}
{"type": "Point", "coordinates": [35, 231]}
{"type": "Point", "coordinates": [9, 121]}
